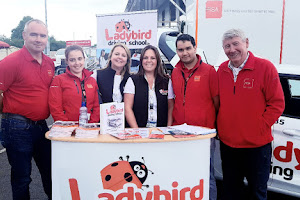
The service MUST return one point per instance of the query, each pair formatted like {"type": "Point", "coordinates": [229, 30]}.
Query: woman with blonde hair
{"type": "Point", "coordinates": [112, 79]}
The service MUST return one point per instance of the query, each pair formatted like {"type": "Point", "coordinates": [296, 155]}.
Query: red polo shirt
{"type": "Point", "coordinates": [25, 83]}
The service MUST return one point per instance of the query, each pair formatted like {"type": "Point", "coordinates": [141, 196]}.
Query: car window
{"type": "Point", "coordinates": [60, 52]}
{"type": "Point", "coordinates": [291, 89]}
{"type": "Point", "coordinates": [171, 40]}
{"type": "Point", "coordinates": [295, 88]}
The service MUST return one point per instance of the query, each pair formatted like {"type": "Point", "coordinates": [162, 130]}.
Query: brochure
{"type": "Point", "coordinates": [112, 118]}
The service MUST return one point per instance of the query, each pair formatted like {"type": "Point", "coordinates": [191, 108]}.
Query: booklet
{"type": "Point", "coordinates": [112, 118]}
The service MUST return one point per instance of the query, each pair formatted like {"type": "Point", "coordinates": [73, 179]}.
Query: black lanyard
{"type": "Point", "coordinates": [83, 91]}
{"type": "Point", "coordinates": [186, 80]}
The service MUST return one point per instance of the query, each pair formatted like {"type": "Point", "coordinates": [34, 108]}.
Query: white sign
{"type": "Point", "coordinates": [260, 20]}
{"type": "Point", "coordinates": [135, 29]}
{"type": "Point", "coordinates": [131, 171]}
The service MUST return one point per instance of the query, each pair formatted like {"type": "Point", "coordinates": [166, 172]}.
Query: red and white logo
{"type": "Point", "coordinates": [214, 9]}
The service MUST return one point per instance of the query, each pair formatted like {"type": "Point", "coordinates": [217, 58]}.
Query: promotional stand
{"type": "Point", "coordinates": [150, 169]}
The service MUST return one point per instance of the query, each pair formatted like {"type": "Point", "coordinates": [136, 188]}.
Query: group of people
{"type": "Point", "coordinates": [241, 100]}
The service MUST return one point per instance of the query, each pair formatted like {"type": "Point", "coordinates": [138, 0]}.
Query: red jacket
{"type": "Point", "coordinates": [249, 106]}
{"type": "Point", "coordinates": [202, 86]}
{"type": "Point", "coordinates": [65, 97]}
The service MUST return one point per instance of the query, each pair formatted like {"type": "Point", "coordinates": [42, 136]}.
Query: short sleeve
{"type": "Point", "coordinates": [8, 73]}
{"type": "Point", "coordinates": [171, 94]}
{"type": "Point", "coordinates": [129, 87]}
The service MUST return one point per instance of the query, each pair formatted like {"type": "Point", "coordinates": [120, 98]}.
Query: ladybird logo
{"type": "Point", "coordinates": [117, 174]}
{"type": "Point", "coordinates": [122, 25]}
{"type": "Point", "coordinates": [124, 34]}
{"type": "Point", "coordinates": [125, 179]}
{"type": "Point", "coordinates": [213, 9]}
{"type": "Point", "coordinates": [113, 110]}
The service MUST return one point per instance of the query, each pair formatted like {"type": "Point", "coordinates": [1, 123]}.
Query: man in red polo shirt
{"type": "Point", "coordinates": [25, 77]}
{"type": "Point", "coordinates": [193, 93]}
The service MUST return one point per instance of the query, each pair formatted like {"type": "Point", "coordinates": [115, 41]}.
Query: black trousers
{"type": "Point", "coordinates": [250, 163]}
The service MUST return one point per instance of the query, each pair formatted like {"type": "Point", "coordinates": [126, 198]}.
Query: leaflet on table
{"type": "Point", "coordinates": [156, 133]}
{"type": "Point", "coordinates": [196, 130]}
{"type": "Point", "coordinates": [138, 133]}
{"type": "Point", "coordinates": [63, 128]}
{"type": "Point", "coordinates": [89, 130]}
{"type": "Point", "coordinates": [181, 134]}
{"type": "Point", "coordinates": [175, 132]}
{"type": "Point", "coordinates": [112, 118]}
{"type": "Point", "coordinates": [123, 135]}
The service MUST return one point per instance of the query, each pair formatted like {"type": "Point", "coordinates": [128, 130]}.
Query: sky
{"type": "Point", "coordinates": [67, 19]}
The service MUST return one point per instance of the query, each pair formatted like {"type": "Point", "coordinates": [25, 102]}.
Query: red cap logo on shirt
{"type": "Point", "coordinates": [49, 72]}
{"type": "Point", "coordinates": [214, 9]}
{"type": "Point", "coordinates": [248, 83]}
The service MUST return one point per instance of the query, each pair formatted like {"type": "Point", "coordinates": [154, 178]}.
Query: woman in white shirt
{"type": "Point", "coordinates": [112, 79]}
{"type": "Point", "coordinates": [145, 94]}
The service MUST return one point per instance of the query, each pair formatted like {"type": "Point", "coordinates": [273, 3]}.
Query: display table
{"type": "Point", "coordinates": [151, 169]}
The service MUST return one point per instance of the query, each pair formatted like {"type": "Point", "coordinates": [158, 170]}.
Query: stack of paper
{"type": "Point", "coordinates": [196, 130]}
{"type": "Point", "coordinates": [63, 128]}
{"type": "Point", "coordinates": [184, 130]}
{"type": "Point", "coordinates": [89, 130]}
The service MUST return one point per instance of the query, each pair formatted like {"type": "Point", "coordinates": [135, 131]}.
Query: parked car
{"type": "Point", "coordinates": [59, 57]}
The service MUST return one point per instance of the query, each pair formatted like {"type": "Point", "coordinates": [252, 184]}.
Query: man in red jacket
{"type": "Point", "coordinates": [251, 100]}
{"type": "Point", "coordinates": [193, 93]}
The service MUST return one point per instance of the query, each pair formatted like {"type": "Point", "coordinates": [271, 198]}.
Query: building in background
{"type": "Point", "coordinates": [167, 13]}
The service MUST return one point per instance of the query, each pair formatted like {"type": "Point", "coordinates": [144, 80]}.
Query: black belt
{"type": "Point", "coordinates": [20, 117]}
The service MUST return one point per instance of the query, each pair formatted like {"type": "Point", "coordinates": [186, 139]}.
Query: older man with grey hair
{"type": "Point", "coordinates": [251, 100]}
{"type": "Point", "coordinates": [25, 77]}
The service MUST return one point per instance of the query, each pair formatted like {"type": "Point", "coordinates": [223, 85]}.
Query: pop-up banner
{"type": "Point", "coordinates": [131, 171]}
{"type": "Point", "coordinates": [135, 29]}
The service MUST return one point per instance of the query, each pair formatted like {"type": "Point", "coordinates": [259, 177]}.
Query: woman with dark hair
{"type": "Point", "coordinates": [146, 93]}
{"type": "Point", "coordinates": [69, 90]}
{"type": "Point", "coordinates": [112, 79]}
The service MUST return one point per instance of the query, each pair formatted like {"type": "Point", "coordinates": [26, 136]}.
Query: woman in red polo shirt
{"type": "Point", "coordinates": [69, 90]}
